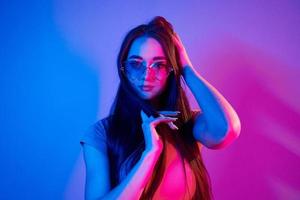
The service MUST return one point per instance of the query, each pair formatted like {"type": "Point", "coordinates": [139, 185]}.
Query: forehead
{"type": "Point", "coordinates": [147, 48]}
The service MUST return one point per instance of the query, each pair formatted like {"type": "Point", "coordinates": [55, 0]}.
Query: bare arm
{"type": "Point", "coordinates": [97, 177]}
{"type": "Point", "coordinates": [97, 166]}
{"type": "Point", "coordinates": [219, 124]}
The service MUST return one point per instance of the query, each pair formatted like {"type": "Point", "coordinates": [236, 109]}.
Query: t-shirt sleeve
{"type": "Point", "coordinates": [95, 136]}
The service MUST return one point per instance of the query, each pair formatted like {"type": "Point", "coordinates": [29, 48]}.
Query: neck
{"type": "Point", "coordinates": [155, 103]}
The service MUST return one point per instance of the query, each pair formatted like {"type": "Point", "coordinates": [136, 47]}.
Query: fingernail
{"type": "Point", "coordinates": [173, 126]}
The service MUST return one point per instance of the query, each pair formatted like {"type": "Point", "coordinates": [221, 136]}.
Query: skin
{"type": "Point", "coordinates": [149, 50]}
{"type": "Point", "coordinates": [97, 185]}
{"type": "Point", "coordinates": [218, 125]}
{"type": "Point", "coordinates": [215, 128]}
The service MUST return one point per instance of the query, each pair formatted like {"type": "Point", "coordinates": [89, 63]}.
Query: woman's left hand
{"type": "Point", "coordinates": [170, 114]}
{"type": "Point", "coordinates": [184, 58]}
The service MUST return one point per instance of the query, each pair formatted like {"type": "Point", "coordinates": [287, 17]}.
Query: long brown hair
{"type": "Point", "coordinates": [125, 138]}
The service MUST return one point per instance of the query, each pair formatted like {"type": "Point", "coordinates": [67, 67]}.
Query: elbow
{"type": "Point", "coordinates": [221, 137]}
{"type": "Point", "coordinates": [229, 134]}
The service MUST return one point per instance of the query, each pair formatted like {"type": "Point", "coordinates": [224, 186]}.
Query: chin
{"type": "Point", "coordinates": [146, 97]}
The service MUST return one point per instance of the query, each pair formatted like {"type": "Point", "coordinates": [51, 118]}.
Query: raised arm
{"type": "Point", "coordinates": [219, 124]}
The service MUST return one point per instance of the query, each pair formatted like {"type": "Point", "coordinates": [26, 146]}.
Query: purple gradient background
{"type": "Point", "coordinates": [58, 76]}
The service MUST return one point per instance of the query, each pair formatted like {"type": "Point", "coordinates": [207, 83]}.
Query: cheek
{"type": "Point", "coordinates": [133, 84]}
{"type": "Point", "coordinates": [162, 84]}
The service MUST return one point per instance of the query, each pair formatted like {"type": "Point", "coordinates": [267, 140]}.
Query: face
{"type": "Point", "coordinates": [146, 67]}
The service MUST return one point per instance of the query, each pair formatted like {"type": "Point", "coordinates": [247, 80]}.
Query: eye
{"type": "Point", "coordinates": [134, 64]}
{"type": "Point", "coordinates": [160, 65]}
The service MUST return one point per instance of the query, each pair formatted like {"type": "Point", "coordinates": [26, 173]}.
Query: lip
{"type": "Point", "coordinates": [146, 88]}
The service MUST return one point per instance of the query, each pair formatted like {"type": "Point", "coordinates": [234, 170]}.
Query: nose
{"type": "Point", "coordinates": [148, 74]}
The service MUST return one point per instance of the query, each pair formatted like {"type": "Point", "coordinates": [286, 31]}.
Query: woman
{"type": "Point", "coordinates": [149, 147]}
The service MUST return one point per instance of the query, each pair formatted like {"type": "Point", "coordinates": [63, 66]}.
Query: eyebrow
{"type": "Point", "coordinates": [154, 58]}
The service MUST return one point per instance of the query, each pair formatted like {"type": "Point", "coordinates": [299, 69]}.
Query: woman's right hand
{"type": "Point", "coordinates": [153, 141]}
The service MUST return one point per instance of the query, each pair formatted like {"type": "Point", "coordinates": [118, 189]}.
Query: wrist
{"type": "Point", "coordinates": [153, 153]}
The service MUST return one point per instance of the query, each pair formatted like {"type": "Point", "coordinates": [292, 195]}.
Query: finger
{"type": "Point", "coordinates": [177, 37]}
{"type": "Point", "coordinates": [167, 120]}
{"type": "Point", "coordinates": [176, 41]}
{"type": "Point", "coordinates": [164, 120]}
{"type": "Point", "coordinates": [169, 113]}
{"type": "Point", "coordinates": [151, 117]}
{"type": "Point", "coordinates": [144, 116]}
{"type": "Point", "coordinates": [166, 117]}
{"type": "Point", "coordinates": [172, 126]}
